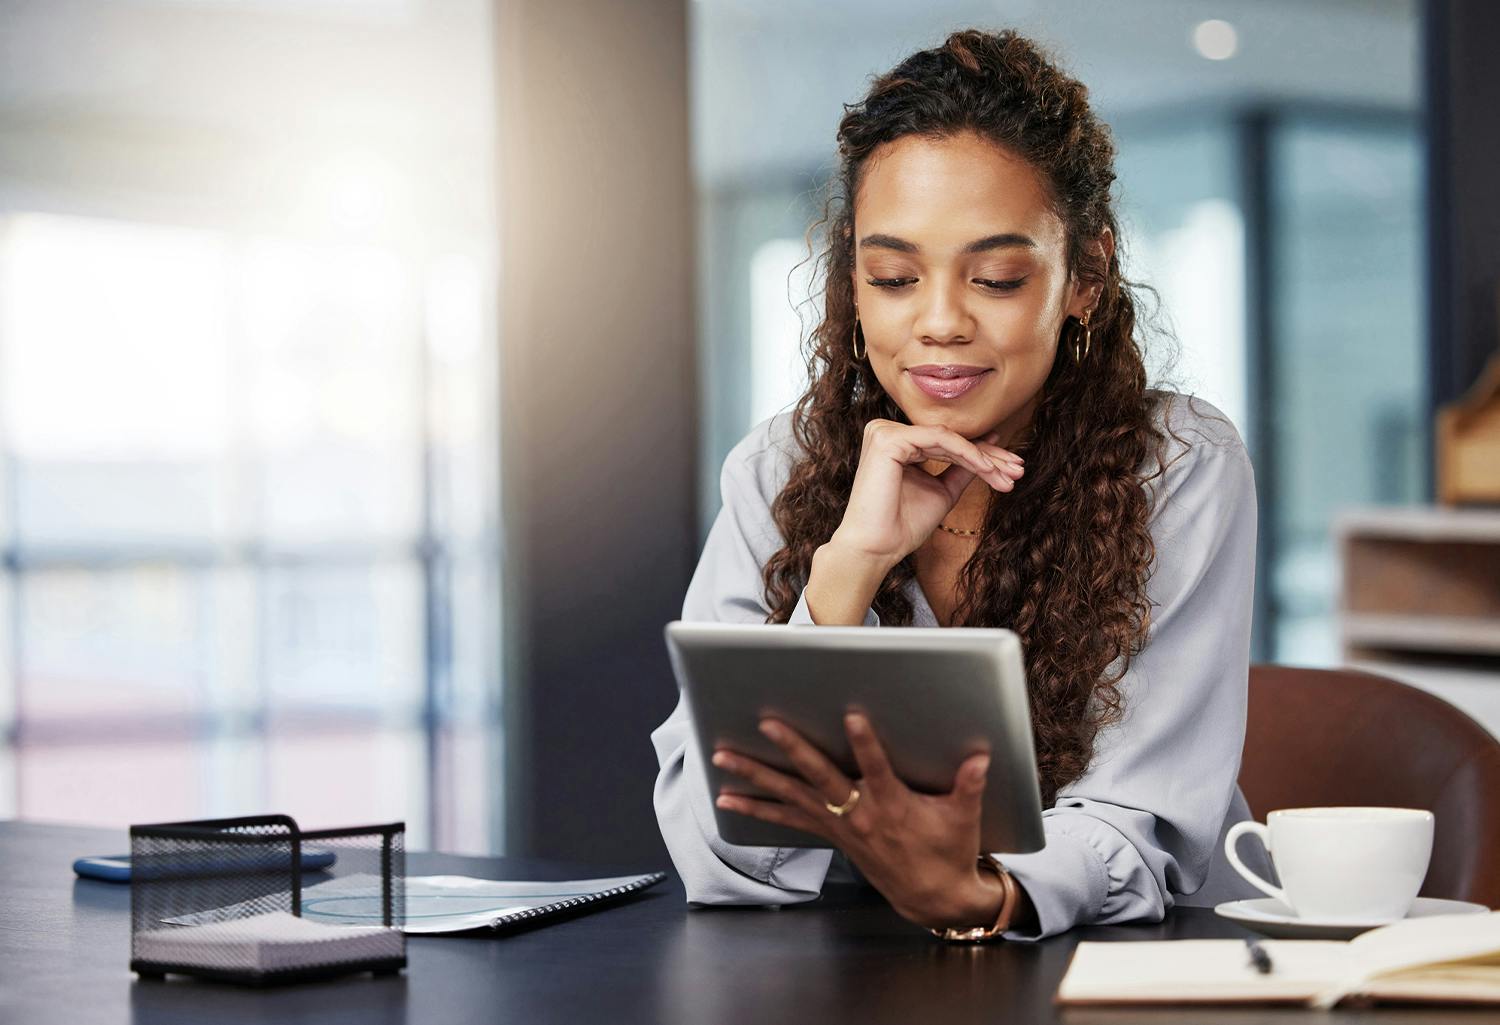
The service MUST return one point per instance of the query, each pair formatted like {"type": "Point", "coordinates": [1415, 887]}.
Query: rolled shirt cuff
{"type": "Point", "coordinates": [1067, 882]}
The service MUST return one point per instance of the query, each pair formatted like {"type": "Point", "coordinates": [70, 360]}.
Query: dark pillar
{"type": "Point", "coordinates": [1462, 99]}
{"type": "Point", "coordinates": [1255, 129]}
{"type": "Point", "coordinates": [598, 392]}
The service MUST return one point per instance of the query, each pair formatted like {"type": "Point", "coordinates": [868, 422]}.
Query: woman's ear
{"type": "Point", "coordinates": [1105, 247]}
{"type": "Point", "coordinates": [1086, 296]}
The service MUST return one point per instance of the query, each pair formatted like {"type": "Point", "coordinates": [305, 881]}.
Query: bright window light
{"type": "Point", "coordinates": [780, 276]}
{"type": "Point", "coordinates": [115, 339]}
{"type": "Point", "coordinates": [1198, 267]}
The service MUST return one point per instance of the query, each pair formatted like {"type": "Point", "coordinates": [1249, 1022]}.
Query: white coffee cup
{"type": "Point", "coordinates": [1342, 864]}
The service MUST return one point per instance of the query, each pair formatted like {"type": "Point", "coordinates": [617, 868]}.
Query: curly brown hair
{"type": "Point", "coordinates": [1063, 560]}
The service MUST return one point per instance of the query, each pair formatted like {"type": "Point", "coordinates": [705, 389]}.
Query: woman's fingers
{"type": "Point", "coordinates": [969, 783]}
{"type": "Point", "coordinates": [789, 789]}
{"type": "Point", "coordinates": [946, 451]}
{"type": "Point", "coordinates": [942, 441]}
{"type": "Point", "coordinates": [1002, 456]}
{"type": "Point", "coordinates": [814, 766]}
{"type": "Point", "coordinates": [998, 473]}
{"type": "Point", "coordinates": [1000, 469]}
{"type": "Point", "coordinates": [956, 478]}
{"type": "Point", "coordinates": [1010, 466]}
{"type": "Point", "coordinates": [913, 443]}
{"type": "Point", "coordinates": [771, 811]}
{"type": "Point", "coordinates": [874, 766]}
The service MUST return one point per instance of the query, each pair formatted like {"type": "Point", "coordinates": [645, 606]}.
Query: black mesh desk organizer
{"type": "Point", "coordinates": [224, 899]}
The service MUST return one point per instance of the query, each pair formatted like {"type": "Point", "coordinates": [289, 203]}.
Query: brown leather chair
{"type": "Point", "coordinates": [1338, 736]}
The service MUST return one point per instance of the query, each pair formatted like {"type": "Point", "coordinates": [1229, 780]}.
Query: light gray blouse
{"type": "Point", "coordinates": [1143, 828]}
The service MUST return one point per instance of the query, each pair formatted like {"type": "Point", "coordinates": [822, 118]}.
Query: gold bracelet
{"type": "Point", "coordinates": [980, 933]}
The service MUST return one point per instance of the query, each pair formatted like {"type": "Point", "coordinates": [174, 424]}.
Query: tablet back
{"type": "Point", "coordinates": [934, 696]}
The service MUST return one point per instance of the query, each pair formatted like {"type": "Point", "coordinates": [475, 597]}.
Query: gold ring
{"type": "Point", "coordinates": [849, 802]}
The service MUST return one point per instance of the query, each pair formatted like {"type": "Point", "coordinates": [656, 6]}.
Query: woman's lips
{"type": "Point", "coordinates": [947, 382]}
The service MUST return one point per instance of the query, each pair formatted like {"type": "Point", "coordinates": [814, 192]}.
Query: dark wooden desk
{"type": "Point", "coordinates": [64, 948]}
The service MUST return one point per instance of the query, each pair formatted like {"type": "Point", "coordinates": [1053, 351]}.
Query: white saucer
{"type": "Point", "coordinates": [1270, 917]}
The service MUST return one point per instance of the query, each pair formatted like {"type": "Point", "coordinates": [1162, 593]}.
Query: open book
{"type": "Point", "coordinates": [1443, 958]}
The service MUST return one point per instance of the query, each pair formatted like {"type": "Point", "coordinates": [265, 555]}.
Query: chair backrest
{"type": "Point", "coordinates": [1320, 737]}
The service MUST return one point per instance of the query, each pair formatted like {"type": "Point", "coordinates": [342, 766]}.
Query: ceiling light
{"type": "Point", "coordinates": [1215, 39]}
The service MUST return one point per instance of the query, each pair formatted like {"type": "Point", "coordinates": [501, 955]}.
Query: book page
{"type": "Point", "coordinates": [1436, 939]}
{"type": "Point", "coordinates": [1460, 984]}
{"type": "Point", "coordinates": [1172, 971]}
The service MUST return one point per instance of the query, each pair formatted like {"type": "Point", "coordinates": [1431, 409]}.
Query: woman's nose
{"type": "Point", "coordinates": [944, 316]}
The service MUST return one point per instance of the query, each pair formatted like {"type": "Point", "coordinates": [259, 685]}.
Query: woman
{"type": "Point", "coordinates": [978, 447]}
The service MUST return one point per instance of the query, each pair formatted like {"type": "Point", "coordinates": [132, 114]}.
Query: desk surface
{"type": "Point", "coordinates": [64, 948]}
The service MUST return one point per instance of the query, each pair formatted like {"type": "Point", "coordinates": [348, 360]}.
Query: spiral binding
{"type": "Point", "coordinates": [572, 902]}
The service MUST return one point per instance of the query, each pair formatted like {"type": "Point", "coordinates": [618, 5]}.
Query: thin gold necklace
{"type": "Point", "coordinates": [958, 532]}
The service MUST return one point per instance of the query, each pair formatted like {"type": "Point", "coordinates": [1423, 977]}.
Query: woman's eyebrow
{"type": "Point", "coordinates": [1007, 240]}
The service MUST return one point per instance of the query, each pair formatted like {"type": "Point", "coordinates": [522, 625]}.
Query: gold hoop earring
{"type": "Point", "coordinates": [1081, 353]}
{"type": "Point", "coordinates": [855, 336]}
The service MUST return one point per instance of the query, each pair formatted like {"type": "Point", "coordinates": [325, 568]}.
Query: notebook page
{"type": "Point", "coordinates": [1430, 940]}
{"type": "Point", "coordinates": [1168, 971]}
{"type": "Point", "coordinates": [1461, 984]}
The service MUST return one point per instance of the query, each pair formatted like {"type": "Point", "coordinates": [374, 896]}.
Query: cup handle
{"type": "Point", "coordinates": [1231, 838]}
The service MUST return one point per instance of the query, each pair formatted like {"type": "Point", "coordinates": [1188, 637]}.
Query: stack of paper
{"type": "Point", "coordinates": [272, 942]}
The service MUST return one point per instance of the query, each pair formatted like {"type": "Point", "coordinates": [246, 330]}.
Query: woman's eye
{"type": "Point", "coordinates": [1000, 286]}
{"type": "Point", "coordinates": [993, 286]}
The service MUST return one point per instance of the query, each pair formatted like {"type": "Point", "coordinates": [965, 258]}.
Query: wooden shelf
{"type": "Point", "coordinates": [1468, 635]}
{"type": "Point", "coordinates": [1420, 523]}
{"type": "Point", "coordinates": [1421, 579]}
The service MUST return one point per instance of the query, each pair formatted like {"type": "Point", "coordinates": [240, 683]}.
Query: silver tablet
{"type": "Point", "coordinates": [934, 697]}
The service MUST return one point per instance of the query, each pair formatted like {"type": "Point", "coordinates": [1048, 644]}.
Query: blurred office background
{"type": "Point", "coordinates": [325, 324]}
{"type": "Point", "coordinates": [1269, 167]}
{"type": "Point", "coordinates": [247, 412]}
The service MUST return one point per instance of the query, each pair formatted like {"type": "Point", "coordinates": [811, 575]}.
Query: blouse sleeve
{"type": "Point", "coordinates": [1143, 822]}
{"type": "Point", "coordinates": [727, 587]}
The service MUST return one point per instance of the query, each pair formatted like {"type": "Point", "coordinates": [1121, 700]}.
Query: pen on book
{"type": "Point", "coordinates": [1258, 957]}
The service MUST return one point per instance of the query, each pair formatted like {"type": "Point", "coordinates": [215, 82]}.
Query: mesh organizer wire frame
{"type": "Point", "coordinates": [226, 870]}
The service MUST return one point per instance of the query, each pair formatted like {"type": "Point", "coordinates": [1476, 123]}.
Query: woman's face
{"type": "Point", "coordinates": [960, 269]}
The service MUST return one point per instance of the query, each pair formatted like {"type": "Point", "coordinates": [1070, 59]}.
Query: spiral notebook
{"type": "Point", "coordinates": [443, 904]}
{"type": "Point", "coordinates": [438, 904]}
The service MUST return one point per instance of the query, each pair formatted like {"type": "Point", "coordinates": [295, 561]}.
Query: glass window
{"type": "Point", "coordinates": [114, 381]}
{"type": "Point", "coordinates": [336, 391]}
{"type": "Point", "coordinates": [783, 313]}
{"type": "Point", "coordinates": [1184, 236]}
{"type": "Point", "coordinates": [249, 522]}
{"type": "Point", "coordinates": [1348, 366]}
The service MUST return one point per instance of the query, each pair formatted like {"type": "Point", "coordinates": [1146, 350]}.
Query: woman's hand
{"type": "Point", "coordinates": [895, 504]}
{"type": "Point", "coordinates": [920, 851]}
